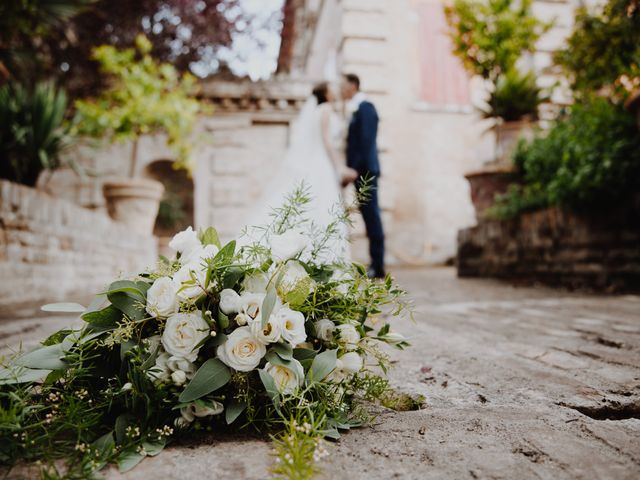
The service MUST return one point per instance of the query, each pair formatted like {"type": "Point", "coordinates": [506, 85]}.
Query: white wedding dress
{"type": "Point", "coordinates": [308, 161]}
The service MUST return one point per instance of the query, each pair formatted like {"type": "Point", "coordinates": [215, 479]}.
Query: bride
{"type": "Point", "coordinates": [312, 159]}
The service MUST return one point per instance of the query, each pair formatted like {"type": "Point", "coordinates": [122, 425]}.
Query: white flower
{"type": "Point", "coordinates": [346, 365]}
{"type": "Point", "coordinates": [185, 242]}
{"type": "Point", "coordinates": [182, 364]}
{"type": "Point", "coordinates": [393, 338]}
{"type": "Point", "coordinates": [229, 301]}
{"type": "Point", "coordinates": [296, 284]}
{"type": "Point", "coordinates": [193, 410]}
{"type": "Point", "coordinates": [324, 329]}
{"type": "Point", "coordinates": [271, 332]}
{"type": "Point", "coordinates": [160, 371]}
{"type": "Point", "coordinates": [288, 245]}
{"type": "Point", "coordinates": [287, 379]}
{"type": "Point", "coordinates": [191, 278]}
{"type": "Point", "coordinates": [242, 351]}
{"type": "Point", "coordinates": [162, 297]}
{"type": "Point", "coordinates": [348, 336]}
{"type": "Point", "coordinates": [199, 255]}
{"type": "Point", "coordinates": [255, 283]}
{"type": "Point", "coordinates": [183, 332]}
{"type": "Point", "coordinates": [179, 377]}
{"type": "Point", "coordinates": [293, 273]}
{"type": "Point", "coordinates": [250, 304]}
{"type": "Point", "coordinates": [292, 325]}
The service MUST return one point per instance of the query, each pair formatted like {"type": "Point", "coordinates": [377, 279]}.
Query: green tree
{"type": "Point", "coordinates": [145, 96]}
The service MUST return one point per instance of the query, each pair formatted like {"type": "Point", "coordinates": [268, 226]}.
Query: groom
{"type": "Point", "coordinates": [362, 163]}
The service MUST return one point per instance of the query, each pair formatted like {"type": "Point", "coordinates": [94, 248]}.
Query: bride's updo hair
{"type": "Point", "coordinates": [320, 91]}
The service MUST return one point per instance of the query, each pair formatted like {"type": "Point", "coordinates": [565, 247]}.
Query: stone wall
{"type": "Point", "coordinates": [594, 250]}
{"type": "Point", "coordinates": [53, 250]}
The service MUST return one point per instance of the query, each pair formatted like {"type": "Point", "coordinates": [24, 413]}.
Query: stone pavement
{"type": "Point", "coordinates": [520, 383]}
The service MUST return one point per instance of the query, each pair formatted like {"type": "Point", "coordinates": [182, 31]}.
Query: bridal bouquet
{"type": "Point", "coordinates": [267, 335]}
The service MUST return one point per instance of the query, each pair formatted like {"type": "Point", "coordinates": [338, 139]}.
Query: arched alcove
{"type": "Point", "coordinates": [176, 206]}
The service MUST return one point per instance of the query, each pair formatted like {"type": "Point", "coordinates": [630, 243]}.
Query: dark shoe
{"type": "Point", "coordinates": [374, 273]}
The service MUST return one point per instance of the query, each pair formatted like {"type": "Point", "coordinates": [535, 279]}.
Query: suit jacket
{"type": "Point", "coordinates": [362, 148]}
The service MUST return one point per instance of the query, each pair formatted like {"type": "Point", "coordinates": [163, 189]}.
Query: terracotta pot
{"type": "Point", "coordinates": [485, 184]}
{"type": "Point", "coordinates": [507, 136]}
{"type": "Point", "coordinates": [134, 202]}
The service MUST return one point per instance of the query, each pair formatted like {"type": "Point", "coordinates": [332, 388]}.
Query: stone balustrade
{"type": "Point", "coordinates": [54, 250]}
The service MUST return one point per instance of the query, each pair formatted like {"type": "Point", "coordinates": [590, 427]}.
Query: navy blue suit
{"type": "Point", "coordinates": [362, 156]}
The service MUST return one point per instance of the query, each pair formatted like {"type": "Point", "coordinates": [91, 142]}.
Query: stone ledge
{"type": "Point", "coordinates": [54, 250]}
{"type": "Point", "coordinates": [556, 247]}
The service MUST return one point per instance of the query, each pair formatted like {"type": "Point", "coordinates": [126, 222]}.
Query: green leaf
{"type": "Point", "coordinates": [154, 448]}
{"type": "Point", "coordinates": [107, 317]}
{"type": "Point", "coordinates": [223, 320]}
{"type": "Point", "coordinates": [231, 276]}
{"type": "Point", "coordinates": [122, 422]}
{"type": "Point", "coordinates": [128, 304]}
{"type": "Point", "coordinates": [63, 307]}
{"type": "Point", "coordinates": [301, 354]}
{"type": "Point", "coordinates": [212, 375]}
{"type": "Point", "coordinates": [128, 286]}
{"type": "Point", "coordinates": [126, 347]}
{"type": "Point", "coordinates": [322, 365]}
{"type": "Point", "coordinates": [284, 350]}
{"type": "Point", "coordinates": [210, 237]}
{"type": "Point", "coordinates": [12, 376]}
{"type": "Point", "coordinates": [129, 459]}
{"type": "Point", "coordinates": [104, 444]}
{"type": "Point", "coordinates": [226, 253]}
{"type": "Point", "coordinates": [46, 358]}
{"type": "Point", "coordinates": [233, 411]}
{"type": "Point", "coordinates": [270, 387]}
{"type": "Point", "coordinates": [267, 304]}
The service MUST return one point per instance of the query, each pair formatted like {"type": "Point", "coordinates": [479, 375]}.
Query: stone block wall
{"type": "Point", "coordinates": [595, 250]}
{"type": "Point", "coordinates": [53, 250]}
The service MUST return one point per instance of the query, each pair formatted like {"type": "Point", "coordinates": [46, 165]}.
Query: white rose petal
{"type": "Point", "coordinates": [242, 351]}
{"type": "Point", "coordinates": [191, 278]}
{"type": "Point", "coordinates": [270, 333]}
{"type": "Point", "coordinates": [393, 338]}
{"type": "Point", "coordinates": [183, 332]}
{"type": "Point", "coordinates": [256, 283]}
{"type": "Point", "coordinates": [348, 336]}
{"type": "Point", "coordinates": [229, 301]}
{"type": "Point", "coordinates": [185, 242]}
{"type": "Point", "coordinates": [179, 377]}
{"type": "Point", "coordinates": [292, 325]}
{"type": "Point", "coordinates": [324, 329]}
{"type": "Point", "coordinates": [160, 371]}
{"type": "Point", "coordinates": [287, 379]}
{"type": "Point", "coordinates": [200, 255]}
{"type": "Point", "coordinates": [351, 362]}
{"type": "Point", "coordinates": [288, 245]}
{"type": "Point", "coordinates": [162, 297]}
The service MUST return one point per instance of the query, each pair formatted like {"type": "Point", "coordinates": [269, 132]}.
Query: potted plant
{"type": "Point", "coordinates": [490, 37]}
{"type": "Point", "coordinates": [144, 97]}
{"type": "Point", "coordinates": [33, 133]}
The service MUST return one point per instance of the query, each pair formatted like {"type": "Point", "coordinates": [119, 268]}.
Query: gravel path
{"type": "Point", "coordinates": [520, 383]}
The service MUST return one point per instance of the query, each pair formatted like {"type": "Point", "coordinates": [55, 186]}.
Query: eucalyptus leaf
{"type": "Point", "coordinates": [212, 375]}
{"type": "Point", "coordinates": [107, 317]}
{"type": "Point", "coordinates": [129, 459]}
{"type": "Point", "coordinates": [233, 411]}
{"type": "Point", "coordinates": [122, 422]}
{"type": "Point", "coordinates": [284, 350]}
{"type": "Point", "coordinates": [323, 364]}
{"type": "Point", "coordinates": [129, 304]}
{"type": "Point", "coordinates": [268, 304]}
{"type": "Point", "coordinates": [223, 320]}
{"type": "Point", "coordinates": [154, 448]}
{"type": "Point", "coordinates": [46, 358]}
{"type": "Point", "coordinates": [63, 307]}
{"type": "Point", "coordinates": [270, 387]}
{"type": "Point", "coordinates": [15, 375]}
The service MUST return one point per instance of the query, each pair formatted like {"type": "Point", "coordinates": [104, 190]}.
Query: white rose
{"type": "Point", "coordinates": [287, 379]}
{"type": "Point", "coordinates": [393, 338]}
{"type": "Point", "coordinates": [270, 333]}
{"type": "Point", "coordinates": [241, 351]}
{"type": "Point", "coordinates": [229, 301]}
{"type": "Point", "coordinates": [250, 304]}
{"type": "Point", "coordinates": [162, 297]}
{"type": "Point", "coordinates": [185, 242]}
{"type": "Point", "coordinates": [346, 365]}
{"type": "Point", "coordinates": [191, 278]}
{"type": "Point", "coordinates": [189, 413]}
{"type": "Point", "coordinates": [182, 364]}
{"type": "Point", "coordinates": [293, 273]}
{"type": "Point", "coordinates": [292, 325]}
{"type": "Point", "coordinates": [324, 329]}
{"type": "Point", "coordinates": [288, 245]}
{"type": "Point", "coordinates": [255, 283]}
{"type": "Point", "coordinates": [348, 336]}
{"type": "Point", "coordinates": [200, 255]}
{"type": "Point", "coordinates": [183, 332]}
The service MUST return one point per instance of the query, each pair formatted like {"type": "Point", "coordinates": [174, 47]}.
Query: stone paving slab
{"type": "Point", "coordinates": [521, 383]}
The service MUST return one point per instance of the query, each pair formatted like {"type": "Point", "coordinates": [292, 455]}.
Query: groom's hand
{"type": "Point", "coordinates": [349, 175]}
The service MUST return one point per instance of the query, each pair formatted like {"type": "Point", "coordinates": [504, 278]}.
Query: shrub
{"type": "Point", "coordinates": [589, 159]}
{"type": "Point", "coordinates": [32, 131]}
{"type": "Point", "coordinates": [516, 95]}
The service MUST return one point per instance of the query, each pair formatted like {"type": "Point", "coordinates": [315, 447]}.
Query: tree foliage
{"type": "Point", "coordinates": [603, 52]}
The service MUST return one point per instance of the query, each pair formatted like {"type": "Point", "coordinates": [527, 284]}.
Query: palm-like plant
{"type": "Point", "coordinates": [32, 131]}
{"type": "Point", "coordinates": [516, 96]}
